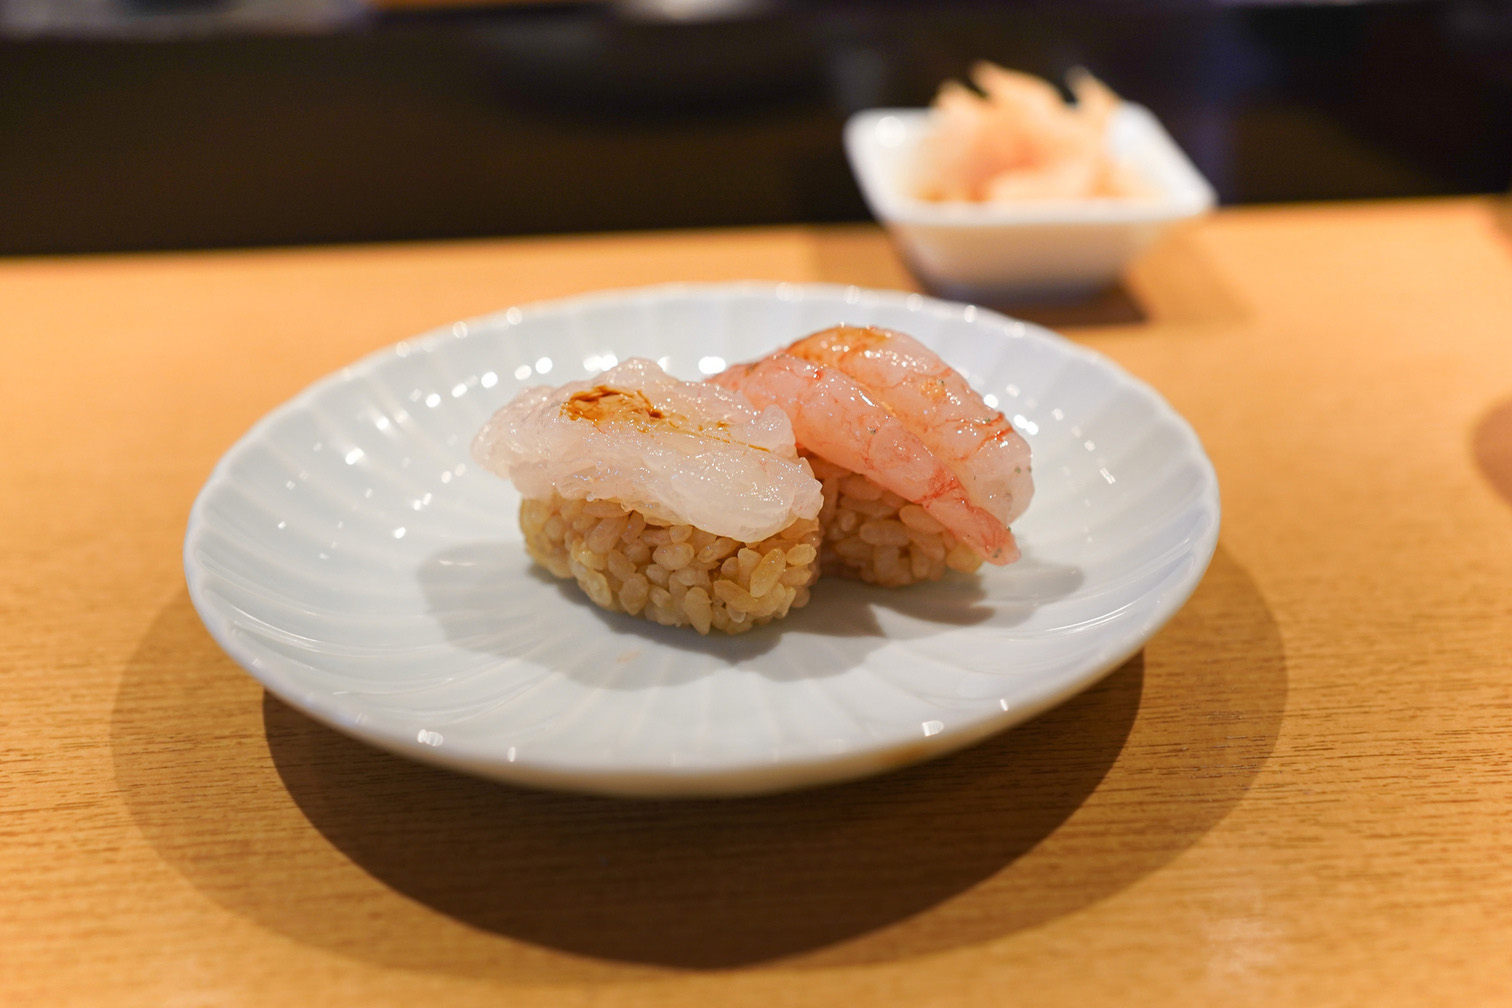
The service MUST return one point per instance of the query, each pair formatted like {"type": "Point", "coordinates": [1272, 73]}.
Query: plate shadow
{"type": "Point", "coordinates": [472, 591]}
{"type": "Point", "coordinates": [332, 843]}
{"type": "Point", "coordinates": [1492, 444]}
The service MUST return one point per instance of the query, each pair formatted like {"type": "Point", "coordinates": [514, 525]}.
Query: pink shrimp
{"type": "Point", "coordinates": [1013, 139]}
{"type": "Point", "coordinates": [932, 399]}
{"type": "Point", "coordinates": [834, 418]}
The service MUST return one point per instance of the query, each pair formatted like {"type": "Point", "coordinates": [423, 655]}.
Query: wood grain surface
{"type": "Point", "coordinates": [1297, 794]}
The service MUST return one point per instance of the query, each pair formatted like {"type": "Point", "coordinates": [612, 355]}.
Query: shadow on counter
{"type": "Point", "coordinates": [337, 845]}
{"type": "Point", "coordinates": [1492, 444]}
{"type": "Point", "coordinates": [1172, 282]}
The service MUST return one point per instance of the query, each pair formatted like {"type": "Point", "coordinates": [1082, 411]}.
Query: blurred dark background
{"type": "Point", "coordinates": [147, 124]}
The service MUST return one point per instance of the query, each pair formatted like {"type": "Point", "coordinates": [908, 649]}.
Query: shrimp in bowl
{"type": "Point", "coordinates": [919, 474]}
{"type": "Point", "coordinates": [1012, 139]}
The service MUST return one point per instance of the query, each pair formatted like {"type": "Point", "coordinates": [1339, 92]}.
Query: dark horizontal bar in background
{"type": "Point", "coordinates": [570, 118]}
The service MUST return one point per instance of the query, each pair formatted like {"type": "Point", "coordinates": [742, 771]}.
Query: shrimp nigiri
{"type": "Point", "coordinates": [676, 501]}
{"type": "Point", "coordinates": [895, 511]}
{"type": "Point", "coordinates": [972, 439]}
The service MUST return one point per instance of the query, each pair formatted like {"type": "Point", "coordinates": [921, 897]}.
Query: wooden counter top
{"type": "Point", "coordinates": [1299, 793]}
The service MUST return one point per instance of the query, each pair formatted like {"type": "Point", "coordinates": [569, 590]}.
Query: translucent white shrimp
{"type": "Point", "coordinates": [836, 419]}
{"type": "Point", "coordinates": [685, 452]}
{"type": "Point", "coordinates": [933, 400]}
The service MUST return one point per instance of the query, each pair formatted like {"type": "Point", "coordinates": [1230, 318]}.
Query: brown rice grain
{"type": "Point", "coordinates": [962, 558]}
{"type": "Point", "coordinates": [633, 593]}
{"type": "Point", "coordinates": [795, 576]}
{"type": "Point", "coordinates": [858, 487]}
{"type": "Point", "coordinates": [883, 532]}
{"type": "Point", "coordinates": [604, 509]}
{"type": "Point", "coordinates": [672, 556]}
{"type": "Point", "coordinates": [698, 609]}
{"type": "Point", "coordinates": [664, 573]}
{"type": "Point", "coordinates": [874, 535]}
{"type": "Point", "coordinates": [869, 508]}
{"type": "Point", "coordinates": [916, 518]}
{"type": "Point", "coordinates": [766, 573]}
{"type": "Point", "coordinates": [604, 534]}
{"type": "Point", "coordinates": [691, 576]}
{"type": "Point", "coordinates": [619, 565]}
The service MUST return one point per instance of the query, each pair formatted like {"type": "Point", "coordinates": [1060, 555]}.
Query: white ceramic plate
{"type": "Point", "coordinates": [351, 556]}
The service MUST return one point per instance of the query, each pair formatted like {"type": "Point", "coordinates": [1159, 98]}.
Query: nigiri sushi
{"type": "Point", "coordinates": [676, 501]}
{"type": "Point", "coordinates": [919, 473]}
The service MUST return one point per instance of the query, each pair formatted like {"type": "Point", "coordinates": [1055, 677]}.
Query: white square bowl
{"type": "Point", "coordinates": [1045, 249]}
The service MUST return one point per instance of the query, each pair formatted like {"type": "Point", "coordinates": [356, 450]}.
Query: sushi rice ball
{"type": "Point", "coordinates": [679, 502]}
